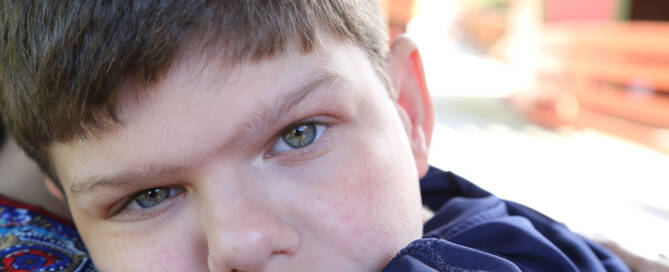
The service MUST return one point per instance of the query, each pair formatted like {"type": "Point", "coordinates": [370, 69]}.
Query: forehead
{"type": "Point", "coordinates": [200, 99]}
{"type": "Point", "coordinates": [202, 74]}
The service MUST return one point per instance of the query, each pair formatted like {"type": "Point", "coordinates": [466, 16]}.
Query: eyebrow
{"type": "Point", "coordinates": [267, 115]}
{"type": "Point", "coordinates": [126, 178]}
{"type": "Point", "coordinates": [271, 114]}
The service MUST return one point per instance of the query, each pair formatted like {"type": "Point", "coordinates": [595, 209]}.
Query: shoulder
{"type": "Point", "coordinates": [467, 216]}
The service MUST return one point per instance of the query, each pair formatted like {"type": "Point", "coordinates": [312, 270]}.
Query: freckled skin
{"type": "Point", "coordinates": [349, 207]}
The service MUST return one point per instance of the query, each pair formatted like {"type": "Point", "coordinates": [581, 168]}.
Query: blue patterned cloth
{"type": "Point", "coordinates": [31, 239]}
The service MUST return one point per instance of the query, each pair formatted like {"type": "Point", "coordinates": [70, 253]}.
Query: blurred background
{"type": "Point", "coordinates": [562, 105]}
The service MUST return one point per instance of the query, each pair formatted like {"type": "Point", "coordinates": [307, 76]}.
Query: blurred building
{"type": "Point", "coordinates": [602, 64]}
{"type": "Point", "coordinates": [557, 104]}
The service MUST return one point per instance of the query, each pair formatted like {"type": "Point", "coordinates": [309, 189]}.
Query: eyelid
{"type": "Point", "coordinates": [292, 155]}
{"type": "Point", "coordinates": [171, 192]}
{"type": "Point", "coordinates": [120, 211]}
{"type": "Point", "coordinates": [281, 142]}
{"type": "Point", "coordinates": [313, 120]}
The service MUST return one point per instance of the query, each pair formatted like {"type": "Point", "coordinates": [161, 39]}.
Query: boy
{"type": "Point", "coordinates": [252, 136]}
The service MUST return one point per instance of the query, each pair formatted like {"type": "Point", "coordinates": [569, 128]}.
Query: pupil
{"type": "Point", "coordinates": [152, 197]}
{"type": "Point", "coordinates": [299, 131]}
{"type": "Point", "coordinates": [153, 193]}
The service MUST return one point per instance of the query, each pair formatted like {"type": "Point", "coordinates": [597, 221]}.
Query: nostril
{"type": "Point", "coordinates": [250, 244]}
{"type": "Point", "coordinates": [281, 252]}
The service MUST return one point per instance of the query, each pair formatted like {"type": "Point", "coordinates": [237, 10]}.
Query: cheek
{"type": "Point", "coordinates": [169, 249]}
{"type": "Point", "coordinates": [368, 208]}
{"type": "Point", "coordinates": [359, 213]}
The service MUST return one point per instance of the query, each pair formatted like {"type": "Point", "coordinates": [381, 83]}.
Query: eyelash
{"type": "Point", "coordinates": [122, 212]}
{"type": "Point", "coordinates": [296, 153]}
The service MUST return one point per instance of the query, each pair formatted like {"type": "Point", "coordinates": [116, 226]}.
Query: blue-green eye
{"type": "Point", "coordinates": [153, 197]}
{"type": "Point", "coordinates": [298, 136]}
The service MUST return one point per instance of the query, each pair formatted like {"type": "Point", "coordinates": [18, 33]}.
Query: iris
{"type": "Point", "coordinates": [300, 136]}
{"type": "Point", "coordinates": [152, 197]}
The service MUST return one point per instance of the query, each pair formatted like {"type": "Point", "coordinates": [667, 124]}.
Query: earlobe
{"type": "Point", "coordinates": [412, 98]}
{"type": "Point", "coordinates": [53, 189]}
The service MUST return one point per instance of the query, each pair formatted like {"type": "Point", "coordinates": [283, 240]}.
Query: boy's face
{"type": "Point", "coordinates": [299, 163]}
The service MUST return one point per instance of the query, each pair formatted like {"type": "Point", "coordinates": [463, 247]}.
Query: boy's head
{"type": "Point", "coordinates": [222, 135]}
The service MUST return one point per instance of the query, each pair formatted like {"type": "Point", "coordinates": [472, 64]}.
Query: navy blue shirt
{"type": "Point", "coordinates": [472, 230]}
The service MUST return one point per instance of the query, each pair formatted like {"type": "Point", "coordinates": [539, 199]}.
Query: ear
{"type": "Point", "coordinates": [53, 189]}
{"type": "Point", "coordinates": [412, 98]}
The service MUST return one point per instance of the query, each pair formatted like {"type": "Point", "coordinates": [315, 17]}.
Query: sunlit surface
{"type": "Point", "coordinates": [596, 183]}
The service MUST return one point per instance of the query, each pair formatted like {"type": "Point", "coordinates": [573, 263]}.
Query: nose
{"type": "Point", "coordinates": [248, 239]}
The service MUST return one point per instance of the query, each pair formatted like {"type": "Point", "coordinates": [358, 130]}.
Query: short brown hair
{"type": "Point", "coordinates": [63, 60]}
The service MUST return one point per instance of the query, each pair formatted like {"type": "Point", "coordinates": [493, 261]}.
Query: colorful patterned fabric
{"type": "Point", "coordinates": [31, 239]}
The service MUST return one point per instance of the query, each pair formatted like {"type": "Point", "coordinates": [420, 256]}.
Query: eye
{"type": "Point", "coordinates": [298, 136]}
{"type": "Point", "coordinates": [152, 197]}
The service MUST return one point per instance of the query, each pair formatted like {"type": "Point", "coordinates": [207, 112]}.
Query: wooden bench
{"type": "Point", "coordinates": [609, 76]}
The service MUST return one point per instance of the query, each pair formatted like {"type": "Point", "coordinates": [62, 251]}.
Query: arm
{"type": "Point", "coordinates": [635, 262]}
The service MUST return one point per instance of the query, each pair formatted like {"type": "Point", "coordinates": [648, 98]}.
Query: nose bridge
{"type": "Point", "coordinates": [243, 232]}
